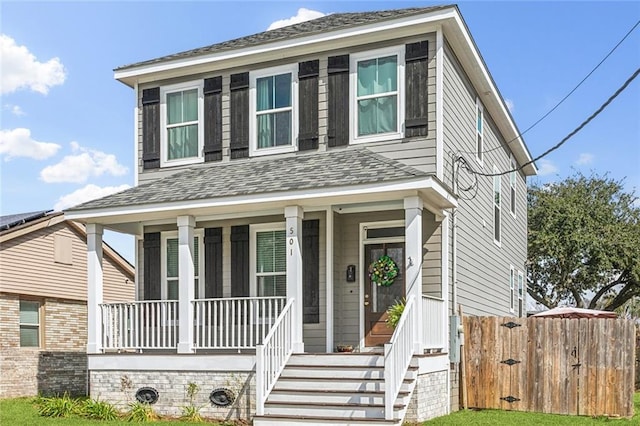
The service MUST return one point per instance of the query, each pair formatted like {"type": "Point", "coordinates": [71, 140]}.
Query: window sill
{"type": "Point", "coordinates": [272, 151]}
{"type": "Point", "coordinates": [181, 162]}
{"type": "Point", "coordinates": [377, 138]}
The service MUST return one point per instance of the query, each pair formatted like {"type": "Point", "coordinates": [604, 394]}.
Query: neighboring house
{"type": "Point", "coordinates": [43, 303]}
{"type": "Point", "coordinates": [273, 171]}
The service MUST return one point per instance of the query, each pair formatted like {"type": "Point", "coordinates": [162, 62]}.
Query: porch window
{"type": "Point", "coordinates": [377, 90]}
{"type": "Point", "coordinates": [29, 324]}
{"type": "Point", "coordinates": [271, 263]}
{"type": "Point", "coordinates": [182, 137]}
{"type": "Point", "coordinates": [497, 198]}
{"type": "Point", "coordinates": [171, 287]}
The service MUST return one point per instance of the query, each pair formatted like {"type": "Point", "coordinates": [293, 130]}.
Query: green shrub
{"type": "Point", "coordinates": [99, 410]}
{"type": "Point", "coordinates": [191, 412]}
{"type": "Point", "coordinates": [394, 313]}
{"type": "Point", "coordinates": [140, 413]}
{"type": "Point", "coordinates": [63, 406]}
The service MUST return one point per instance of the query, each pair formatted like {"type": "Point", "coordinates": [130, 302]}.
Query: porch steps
{"type": "Point", "coordinates": [334, 389]}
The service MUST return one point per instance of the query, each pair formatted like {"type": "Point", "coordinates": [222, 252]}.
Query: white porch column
{"type": "Point", "coordinates": [413, 246]}
{"type": "Point", "coordinates": [294, 214]}
{"type": "Point", "coordinates": [94, 288]}
{"type": "Point", "coordinates": [186, 276]}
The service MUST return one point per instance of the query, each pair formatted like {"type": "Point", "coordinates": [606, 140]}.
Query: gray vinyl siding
{"type": "Point", "coordinates": [483, 267]}
{"type": "Point", "coordinates": [314, 334]}
{"type": "Point", "coordinates": [419, 152]}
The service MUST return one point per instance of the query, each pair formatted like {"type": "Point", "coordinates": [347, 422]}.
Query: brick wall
{"type": "Point", "coordinates": [429, 397]}
{"type": "Point", "coordinates": [59, 365]}
{"type": "Point", "coordinates": [119, 388]}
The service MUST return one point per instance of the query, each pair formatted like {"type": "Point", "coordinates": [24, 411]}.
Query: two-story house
{"type": "Point", "coordinates": [291, 186]}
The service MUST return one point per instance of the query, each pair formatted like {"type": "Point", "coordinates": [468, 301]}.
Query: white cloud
{"type": "Point", "coordinates": [584, 159]}
{"type": "Point", "coordinates": [509, 104]}
{"type": "Point", "coordinates": [18, 143]}
{"type": "Point", "coordinates": [302, 16]}
{"type": "Point", "coordinates": [21, 69]}
{"type": "Point", "coordinates": [546, 167]}
{"type": "Point", "coordinates": [15, 110]}
{"type": "Point", "coordinates": [84, 164]}
{"type": "Point", "coordinates": [87, 193]}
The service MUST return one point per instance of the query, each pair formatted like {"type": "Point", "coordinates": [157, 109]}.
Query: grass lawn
{"type": "Point", "coordinates": [496, 417]}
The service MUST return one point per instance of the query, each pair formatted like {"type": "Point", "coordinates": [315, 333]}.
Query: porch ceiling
{"type": "Point", "coordinates": [259, 184]}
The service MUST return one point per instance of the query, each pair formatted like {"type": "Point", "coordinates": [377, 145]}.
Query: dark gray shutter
{"type": "Point", "coordinates": [239, 115]}
{"type": "Point", "coordinates": [152, 277]}
{"type": "Point", "coordinates": [416, 57]}
{"type": "Point", "coordinates": [151, 128]}
{"type": "Point", "coordinates": [308, 104]}
{"type": "Point", "coordinates": [212, 263]}
{"type": "Point", "coordinates": [338, 100]}
{"type": "Point", "coordinates": [240, 261]}
{"type": "Point", "coordinates": [213, 119]}
{"type": "Point", "coordinates": [311, 270]}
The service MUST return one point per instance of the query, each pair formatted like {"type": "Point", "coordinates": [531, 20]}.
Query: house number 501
{"type": "Point", "coordinates": [291, 243]}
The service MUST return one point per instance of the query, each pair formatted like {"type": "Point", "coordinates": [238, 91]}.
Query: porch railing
{"type": "Point", "coordinates": [397, 356]}
{"type": "Point", "coordinates": [234, 323]}
{"type": "Point", "coordinates": [272, 355]}
{"type": "Point", "coordinates": [433, 327]}
{"type": "Point", "coordinates": [140, 325]}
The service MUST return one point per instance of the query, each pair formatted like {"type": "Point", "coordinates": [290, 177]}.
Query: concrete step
{"type": "Point", "coordinates": [273, 420]}
{"type": "Point", "coordinates": [332, 396]}
{"type": "Point", "coordinates": [334, 410]}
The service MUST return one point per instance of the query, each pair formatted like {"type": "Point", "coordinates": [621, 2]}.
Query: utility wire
{"type": "Point", "coordinates": [570, 135]}
{"type": "Point", "coordinates": [565, 98]}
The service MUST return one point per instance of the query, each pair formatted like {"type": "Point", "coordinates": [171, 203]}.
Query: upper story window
{"type": "Point", "coordinates": [170, 265]}
{"type": "Point", "coordinates": [273, 110]}
{"type": "Point", "coordinates": [377, 112]}
{"type": "Point", "coordinates": [512, 286]}
{"type": "Point", "coordinates": [512, 185]}
{"type": "Point", "coordinates": [497, 199]}
{"type": "Point", "coordinates": [269, 260]}
{"type": "Point", "coordinates": [521, 307]}
{"type": "Point", "coordinates": [182, 123]}
{"type": "Point", "coordinates": [479, 130]}
{"type": "Point", "coordinates": [29, 324]}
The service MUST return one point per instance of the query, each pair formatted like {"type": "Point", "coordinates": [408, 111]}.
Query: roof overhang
{"type": "Point", "coordinates": [448, 19]}
{"type": "Point", "coordinates": [129, 219]}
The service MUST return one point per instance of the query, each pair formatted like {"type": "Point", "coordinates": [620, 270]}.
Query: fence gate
{"type": "Point", "coordinates": [563, 366]}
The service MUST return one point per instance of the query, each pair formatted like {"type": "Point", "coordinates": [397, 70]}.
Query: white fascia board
{"type": "Point", "coordinates": [325, 37]}
{"type": "Point", "coordinates": [418, 184]}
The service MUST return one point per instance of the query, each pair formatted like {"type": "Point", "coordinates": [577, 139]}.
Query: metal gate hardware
{"type": "Point", "coordinates": [510, 399]}
{"type": "Point", "coordinates": [510, 362]}
{"type": "Point", "coordinates": [511, 324]}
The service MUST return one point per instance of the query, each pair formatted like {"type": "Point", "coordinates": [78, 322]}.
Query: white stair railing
{"type": "Point", "coordinates": [140, 325]}
{"type": "Point", "coordinates": [234, 323]}
{"type": "Point", "coordinates": [433, 327]}
{"type": "Point", "coordinates": [272, 355]}
{"type": "Point", "coordinates": [397, 356]}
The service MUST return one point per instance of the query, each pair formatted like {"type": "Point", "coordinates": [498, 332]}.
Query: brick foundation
{"type": "Point", "coordinates": [429, 397]}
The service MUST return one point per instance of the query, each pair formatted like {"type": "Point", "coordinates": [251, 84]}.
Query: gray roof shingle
{"type": "Point", "coordinates": [348, 166]}
{"type": "Point", "coordinates": [331, 22]}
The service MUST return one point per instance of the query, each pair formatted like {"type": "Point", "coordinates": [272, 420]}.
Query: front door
{"type": "Point", "coordinates": [378, 298]}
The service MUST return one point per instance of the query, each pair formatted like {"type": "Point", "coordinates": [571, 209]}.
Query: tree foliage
{"type": "Point", "coordinates": [584, 243]}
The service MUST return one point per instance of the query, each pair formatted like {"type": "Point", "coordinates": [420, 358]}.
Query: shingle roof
{"type": "Point", "coordinates": [331, 22]}
{"type": "Point", "coordinates": [12, 220]}
{"type": "Point", "coordinates": [349, 166]}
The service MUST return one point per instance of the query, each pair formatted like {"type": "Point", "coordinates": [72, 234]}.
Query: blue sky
{"type": "Point", "coordinates": [67, 126]}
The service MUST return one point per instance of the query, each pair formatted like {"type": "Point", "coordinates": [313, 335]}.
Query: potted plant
{"type": "Point", "coordinates": [394, 312]}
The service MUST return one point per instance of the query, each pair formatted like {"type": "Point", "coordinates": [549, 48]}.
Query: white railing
{"type": "Point", "coordinates": [140, 325]}
{"type": "Point", "coordinates": [272, 355]}
{"type": "Point", "coordinates": [397, 356]}
{"type": "Point", "coordinates": [433, 331]}
{"type": "Point", "coordinates": [234, 323]}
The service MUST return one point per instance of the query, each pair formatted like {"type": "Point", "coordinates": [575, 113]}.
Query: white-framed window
{"type": "Point", "coordinates": [497, 195]}
{"type": "Point", "coordinates": [479, 130]}
{"type": "Point", "coordinates": [268, 260]}
{"type": "Point", "coordinates": [512, 288]}
{"type": "Point", "coordinates": [521, 307]}
{"type": "Point", "coordinates": [512, 186]}
{"type": "Point", "coordinates": [273, 102]}
{"type": "Point", "coordinates": [182, 123]}
{"type": "Point", "coordinates": [29, 324]}
{"type": "Point", "coordinates": [377, 84]}
{"type": "Point", "coordinates": [170, 289]}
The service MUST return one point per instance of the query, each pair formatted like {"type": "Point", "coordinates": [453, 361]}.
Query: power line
{"type": "Point", "coordinates": [573, 133]}
{"type": "Point", "coordinates": [565, 98]}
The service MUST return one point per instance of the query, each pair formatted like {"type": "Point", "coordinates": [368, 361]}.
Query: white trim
{"type": "Point", "coordinates": [253, 230]}
{"type": "Point", "coordinates": [172, 362]}
{"type": "Point", "coordinates": [329, 277]}
{"type": "Point", "coordinates": [164, 236]}
{"type": "Point", "coordinates": [495, 179]}
{"type": "Point", "coordinates": [479, 114]}
{"type": "Point", "coordinates": [253, 139]}
{"type": "Point", "coordinates": [362, 240]}
{"type": "Point", "coordinates": [512, 283]}
{"type": "Point", "coordinates": [164, 151]}
{"type": "Point", "coordinates": [422, 184]}
{"type": "Point", "coordinates": [136, 144]}
{"type": "Point", "coordinates": [439, 104]}
{"type": "Point", "coordinates": [398, 51]}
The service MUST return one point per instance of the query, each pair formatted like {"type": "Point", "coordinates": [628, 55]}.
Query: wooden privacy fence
{"type": "Point", "coordinates": [563, 366]}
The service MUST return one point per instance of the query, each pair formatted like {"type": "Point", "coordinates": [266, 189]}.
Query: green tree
{"type": "Point", "coordinates": [584, 243]}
